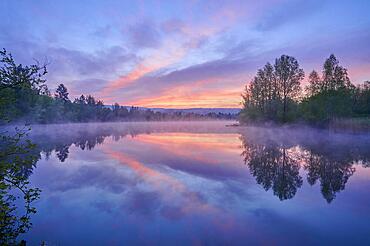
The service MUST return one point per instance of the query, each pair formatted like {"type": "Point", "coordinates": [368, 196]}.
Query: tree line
{"type": "Point", "coordinates": [24, 96]}
{"type": "Point", "coordinates": [275, 94]}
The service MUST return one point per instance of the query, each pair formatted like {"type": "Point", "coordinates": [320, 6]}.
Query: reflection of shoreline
{"type": "Point", "coordinates": [274, 156]}
{"type": "Point", "coordinates": [273, 168]}
{"type": "Point", "coordinates": [87, 136]}
{"type": "Point", "coordinates": [275, 161]}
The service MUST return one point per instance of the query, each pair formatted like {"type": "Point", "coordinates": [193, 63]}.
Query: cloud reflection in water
{"type": "Point", "coordinates": [199, 183]}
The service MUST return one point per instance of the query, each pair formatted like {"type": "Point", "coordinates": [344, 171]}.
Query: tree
{"type": "Point", "coordinates": [335, 77]}
{"type": "Point", "coordinates": [14, 75]}
{"type": "Point", "coordinates": [90, 100]}
{"type": "Point", "coordinates": [81, 100]}
{"type": "Point", "coordinates": [260, 95]}
{"type": "Point", "coordinates": [288, 75]}
{"type": "Point", "coordinates": [62, 93]}
{"type": "Point", "coordinates": [331, 96]}
{"type": "Point", "coordinates": [17, 160]}
{"type": "Point", "coordinates": [272, 92]}
{"type": "Point", "coordinates": [20, 86]}
{"type": "Point", "coordinates": [315, 84]}
{"type": "Point", "coordinates": [116, 109]}
{"type": "Point", "coordinates": [362, 99]}
{"type": "Point", "coordinates": [273, 88]}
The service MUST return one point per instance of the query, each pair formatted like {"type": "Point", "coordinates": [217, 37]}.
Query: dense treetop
{"type": "Point", "coordinates": [275, 94]}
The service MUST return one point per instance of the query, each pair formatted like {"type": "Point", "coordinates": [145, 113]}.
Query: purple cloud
{"type": "Point", "coordinates": [144, 34]}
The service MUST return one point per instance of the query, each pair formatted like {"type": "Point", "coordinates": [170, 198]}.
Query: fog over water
{"type": "Point", "coordinates": [199, 183]}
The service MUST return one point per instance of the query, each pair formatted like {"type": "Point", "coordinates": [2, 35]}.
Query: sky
{"type": "Point", "coordinates": [180, 54]}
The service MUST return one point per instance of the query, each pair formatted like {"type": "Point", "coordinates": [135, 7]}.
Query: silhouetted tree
{"type": "Point", "coordinates": [62, 93]}
{"type": "Point", "coordinates": [330, 96]}
{"type": "Point", "coordinates": [273, 88]}
{"type": "Point", "coordinates": [288, 75]}
{"type": "Point", "coordinates": [335, 77]}
{"type": "Point", "coordinates": [17, 160]}
{"type": "Point", "coordinates": [273, 95]}
{"type": "Point", "coordinates": [20, 87]}
{"type": "Point", "coordinates": [315, 84]}
{"type": "Point", "coordinates": [362, 99]}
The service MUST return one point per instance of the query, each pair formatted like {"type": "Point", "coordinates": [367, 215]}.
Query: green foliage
{"type": "Point", "coordinates": [21, 90]}
{"type": "Point", "coordinates": [20, 86]}
{"type": "Point", "coordinates": [327, 105]}
{"type": "Point", "coordinates": [17, 159]}
{"type": "Point", "coordinates": [62, 93]}
{"type": "Point", "coordinates": [273, 94]}
{"type": "Point", "coordinates": [329, 97]}
{"type": "Point", "coordinates": [361, 105]}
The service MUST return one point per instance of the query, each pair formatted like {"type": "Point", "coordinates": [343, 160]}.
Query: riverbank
{"type": "Point", "coordinates": [344, 125]}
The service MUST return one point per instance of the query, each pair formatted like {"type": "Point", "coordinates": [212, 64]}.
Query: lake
{"type": "Point", "coordinates": [199, 183]}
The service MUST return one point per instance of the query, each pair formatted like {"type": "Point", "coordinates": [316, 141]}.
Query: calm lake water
{"type": "Point", "coordinates": [199, 183]}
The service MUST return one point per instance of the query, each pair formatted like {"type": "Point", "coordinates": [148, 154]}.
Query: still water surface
{"type": "Point", "coordinates": [199, 183]}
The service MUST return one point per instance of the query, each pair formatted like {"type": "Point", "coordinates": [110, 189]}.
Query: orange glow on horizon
{"type": "Point", "coordinates": [177, 96]}
{"type": "Point", "coordinates": [187, 96]}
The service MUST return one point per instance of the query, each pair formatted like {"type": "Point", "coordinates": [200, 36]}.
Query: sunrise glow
{"type": "Point", "coordinates": [187, 54]}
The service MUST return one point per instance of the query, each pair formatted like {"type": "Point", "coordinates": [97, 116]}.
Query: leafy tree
{"type": "Point", "coordinates": [17, 160]}
{"type": "Point", "coordinates": [335, 77]}
{"type": "Point", "coordinates": [62, 93]}
{"type": "Point", "coordinates": [329, 97]}
{"type": "Point", "coordinates": [90, 100]}
{"type": "Point", "coordinates": [315, 84]}
{"type": "Point", "coordinates": [19, 86]}
{"type": "Point", "coordinates": [362, 99]}
{"type": "Point", "coordinates": [272, 90]}
{"type": "Point", "coordinates": [14, 76]}
{"type": "Point", "coordinates": [274, 95]}
{"type": "Point", "coordinates": [288, 76]}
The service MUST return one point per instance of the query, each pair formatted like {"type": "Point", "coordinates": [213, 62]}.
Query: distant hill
{"type": "Point", "coordinates": [201, 111]}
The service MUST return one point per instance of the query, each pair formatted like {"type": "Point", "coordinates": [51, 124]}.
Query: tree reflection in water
{"type": "Point", "coordinates": [17, 160]}
{"type": "Point", "coordinates": [276, 162]}
{"type": "Point", "coordinates": [86, 139]}
{"type": "Point", "coordinates": [276, 159]}
{"type": "Point", "coordinates": [273, 168]}
{"type": "Point", "coordinates": [333, 174]}
{"type": "Point", "coordinates": [274, 156]}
